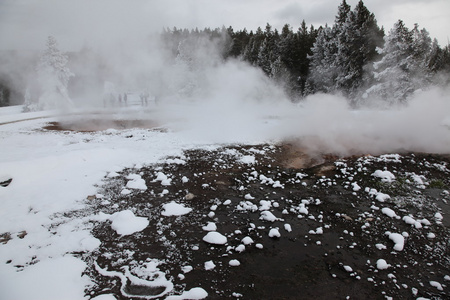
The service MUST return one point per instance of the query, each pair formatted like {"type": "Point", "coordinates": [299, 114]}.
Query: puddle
{"type": "Point", "coordinates": [93, 124]}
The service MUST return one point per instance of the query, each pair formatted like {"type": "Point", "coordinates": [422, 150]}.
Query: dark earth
{"type": "Point", "coordinates": [299, 264]}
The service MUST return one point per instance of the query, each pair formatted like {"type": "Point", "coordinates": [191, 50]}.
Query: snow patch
{"type": "Point", "coordinates": [213, 237]}
{"type": "Point", "coordinates": [385, 176]}
{"type": "Point", "coordinates": [126, 223]}
{"type": "Point", "coordinates": [175, 209]}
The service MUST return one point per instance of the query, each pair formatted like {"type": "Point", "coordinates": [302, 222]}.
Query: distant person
{"type": "Point", "coordinates": [120, 100]}
{"type": "Point", "coordinates": [125, 98]}
{"type": "Point", "coordinates": [142, 98]}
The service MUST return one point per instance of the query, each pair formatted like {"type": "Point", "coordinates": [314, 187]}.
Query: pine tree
{"type": "Point", "coordinates": [326, 58]}
{"type": "Point", "coordinates": [393, 71]}
{"type": "Point", "coordinates": [357, 42]}
{"type": "Point", "coordinates": [264, 57]}
{"type": "Point", "coordinates": [53, 77]}
{"type": "Point", "coordinates": [343, 11]}
{"type": "Point", "coordinates": [323, 62]}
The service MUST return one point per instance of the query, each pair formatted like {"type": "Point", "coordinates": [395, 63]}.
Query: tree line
{"type": "Point", "coordinates": [353, 57]}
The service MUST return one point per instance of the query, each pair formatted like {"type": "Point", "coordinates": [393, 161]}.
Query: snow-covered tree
{"type": "Point", "coordinates": [323, 67]}
{"type": "Point", "coordinates": [53, 77]}
{"type": "Point", "coordinates": [403, 67]}
{"type": "Point", "coordinates": [341, 53]}
{"type": "Point", "coordinates": [265, 57]}
{"type": "Point", "coordinates": [324, 62]}
{"type": "Point", "coordinates": [358, 39]}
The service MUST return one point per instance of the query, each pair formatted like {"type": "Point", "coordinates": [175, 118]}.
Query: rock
{"type": "Point", "coordinates": [189, 196]}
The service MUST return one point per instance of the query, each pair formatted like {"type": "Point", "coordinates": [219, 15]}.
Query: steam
{"type": "Point", "coordinates": [321, 124]}
{"type": "Point", "coordinates": [204, 98]}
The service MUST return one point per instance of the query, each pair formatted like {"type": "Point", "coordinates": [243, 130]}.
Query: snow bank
{"type": "Point", "coordinates": [50, 279]}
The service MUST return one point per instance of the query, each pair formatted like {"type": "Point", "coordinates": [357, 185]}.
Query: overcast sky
{"type": "Point", "coordinates": [25, 24]}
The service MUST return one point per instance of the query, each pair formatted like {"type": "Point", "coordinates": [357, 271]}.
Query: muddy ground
{"type": "Point", "coordinates": [304, 263]}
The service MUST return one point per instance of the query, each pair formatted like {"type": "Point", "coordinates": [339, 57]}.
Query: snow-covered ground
{"type": "Point", "coordinates": [53, 172]}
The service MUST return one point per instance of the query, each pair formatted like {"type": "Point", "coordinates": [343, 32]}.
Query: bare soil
{"type": "Point", "coordinates": [298, 264]}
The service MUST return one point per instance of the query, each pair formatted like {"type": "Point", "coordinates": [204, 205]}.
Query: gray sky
{"type": "Point", "coordinates": [25, 24]}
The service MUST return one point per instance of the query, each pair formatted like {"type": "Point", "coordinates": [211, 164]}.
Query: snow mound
{"type": "Point", "coordinates": [399, 241]}
{"type": "Point", "coordinates": [274, 232]}
{"type": "Point", "coordinates": [234, 263]}
{"type": "Point", "coordinates": [209, 265]}
{"type": "Point", "coordinates": [210, 227]}
{"type": "Point", "coordinates": [136, 182]}
{"type": "Point", "coordinates": [382, 264]}
{"type": "Point", "coordinates": [175, 209]}
{"type": "Point", "coordinates": [385, 176]}
{"type": "Point", "coordinates": [213, 237]}
{"type": "Point", "coordinates": [126, 223]}
{"type": "Point", "coordinates": [268, 216]}
{"type": "Point", "coordinates": [248, 159]}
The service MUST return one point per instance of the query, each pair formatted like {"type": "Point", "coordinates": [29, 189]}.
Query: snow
{"type": "Point", "coordinates": [125, 222]}
{"type": "Point", "coordinates": [53, 172]}
{"type": "Point", "coordinates": [194, 294]}
{"type": "Point", "coordinates": [149, 270]}
{"type": "Point", "coordinates": [380, 246]}
{"type": "Point", "coordinates": [382, 264]}
{"type": "Point", "coordinates": [288, 227]}
{"type": "Point", "coordinates": [211, 226]}
{"type": "Point", "coordinates": [105, 297]}
{"type": "Point", "coordinates": [274, 233]}
{"type": "Point", "coordinates": [186, 269]}
{"type": "Point", "coordinates": [399, 241]}
{"type": "Point", "coordinates": [382, 197]}
{"type": "Point", "coordinates": [388, 212]}
{"type": "Point", "coordinates": [136, 182]}
{"type": "Point", "coordinates": [436, 285]}
{"type": "Point", "coordinates": [247, 240]}
{"type": "Point", "coordinates": [438, 216]}
{"type": "Point", "coordinates": [385, 176]}
{"type": "Point", "coordinates": [50, 279]}
{"type": "Point", "coordinates": [209, 265]}
{"type": "Point", "coordinates": [248, 197]}
{"type": "Point", "coordinates": [175, 209]}
{"type": "Point", "coordinates": [248, 159]}
{"type": "Point", "coordinates": [214, 237]}
{"type": "Point", "coordinates": [234, 263]}
{"type": "Point", "coordinates": [268, 216]}
{"type": "Point", "coordinates": [411, 221]}
{"type": "Point", "coordinates": [355, 186]}
{"type": "Point", "coordinates": [240, 248]}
